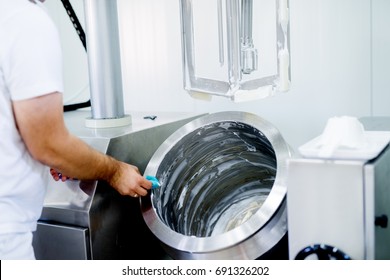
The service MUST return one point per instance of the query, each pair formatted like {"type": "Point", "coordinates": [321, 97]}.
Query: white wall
{"type": "Point", "coordinates": [74, 56]}
{"type": "Point", "coordinates": [380, 57]}
{"type": "Point", "coordinates": [338, 63]}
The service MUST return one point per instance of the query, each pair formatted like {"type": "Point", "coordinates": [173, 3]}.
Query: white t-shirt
{"type": "Point", "coordinates": [30, 66]}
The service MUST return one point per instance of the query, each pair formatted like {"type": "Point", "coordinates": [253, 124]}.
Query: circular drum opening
{"type": "Point", "coordinates": [215, 178]}
{"type": "Point", "coordinates": [220, 188]}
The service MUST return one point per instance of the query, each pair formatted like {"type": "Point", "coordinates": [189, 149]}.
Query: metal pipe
{"type": "Point", "coordinates": [233, 44]}
{"type": "Point", "coordinates": [220, 34]}
{"type": "Point", "coordinates": [101, 17]}
{"type": "Point", "coordinates": [248, 52]}
{"type": "Point", "coordinates": [246, 22]}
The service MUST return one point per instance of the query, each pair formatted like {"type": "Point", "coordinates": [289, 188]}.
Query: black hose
{"type": "Point", "coordinates": [79, 29]}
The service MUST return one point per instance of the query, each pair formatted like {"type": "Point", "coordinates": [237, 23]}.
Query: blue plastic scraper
{"type": "Point", "coordinates": [155, 182]}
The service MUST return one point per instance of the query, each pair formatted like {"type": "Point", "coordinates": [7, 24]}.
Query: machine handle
{"type": "Point", "coordinates": [323, 252]}
{"type": "Point", "coordinates": [381, 221]}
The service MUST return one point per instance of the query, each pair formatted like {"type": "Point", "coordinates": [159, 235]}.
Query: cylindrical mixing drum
{"type": "Point", "coordinates": [223, 191]}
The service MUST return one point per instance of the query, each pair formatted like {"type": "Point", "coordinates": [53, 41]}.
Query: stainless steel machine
{"type": "Point", "coordinates": [89, 219]}
{"type": "Point", "coordinates": [223, 191]}
{"type": "Point", "coordinates": [339, 209]}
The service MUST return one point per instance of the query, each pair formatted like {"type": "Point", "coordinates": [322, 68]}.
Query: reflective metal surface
{"type": "Point", "coordinates": [111, 222]}
{"type": "Point", "coordinates": [56, 236]}
{"type": "Point", "coordinates": [223, 190]}
{"type": "Point", "coordinates": [104, 61]}
{"type": "Point", "coordinates": [343, 202]}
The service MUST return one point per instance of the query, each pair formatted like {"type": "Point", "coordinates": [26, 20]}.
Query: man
{"type": "Point", "coordinates": [33, 133]}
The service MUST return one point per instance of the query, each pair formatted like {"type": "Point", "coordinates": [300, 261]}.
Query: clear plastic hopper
{"type": "Point", "coordinates": [235, 48]}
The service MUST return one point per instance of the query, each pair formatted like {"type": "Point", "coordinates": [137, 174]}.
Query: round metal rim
{"type": "Point", "coordinates": [249, 228]}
